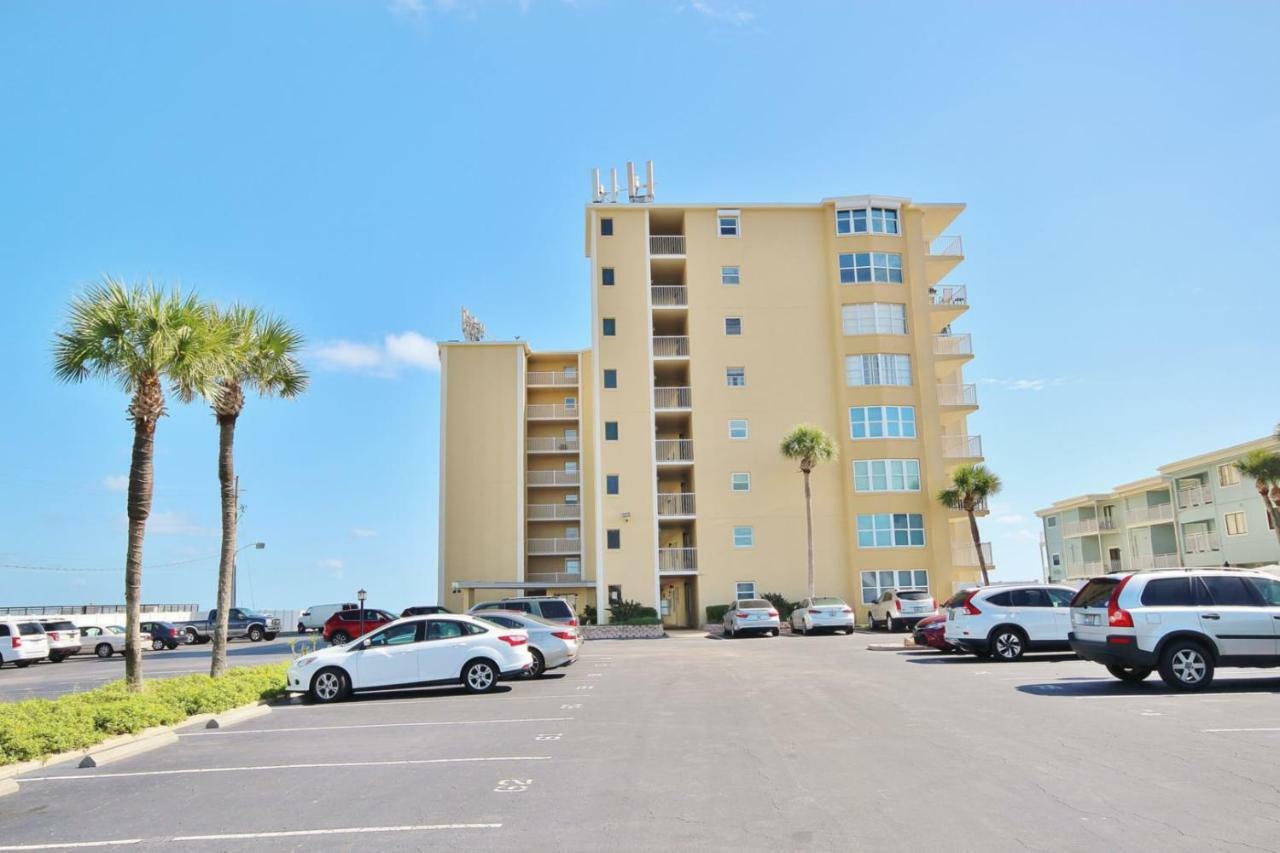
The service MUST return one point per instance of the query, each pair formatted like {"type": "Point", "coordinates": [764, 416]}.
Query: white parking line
{"type": "Point", "coordinates": [72, 845]}
{"type": "Point", "coordinates": [221, 732]}
{"type": "Point", "coordinates": [311, 766]}
{"type": "Point", "coordinates": [241, 836]}
{"type": "Point", "coordinates": [365, 702]}
{"type": "Point", "coordinates": [1224, 731]}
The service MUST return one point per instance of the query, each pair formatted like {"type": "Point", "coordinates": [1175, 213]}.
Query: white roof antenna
{"type": "Point", "coordinates": [636, 191]}
{"type": "Point", "coordinates": [599, 195]}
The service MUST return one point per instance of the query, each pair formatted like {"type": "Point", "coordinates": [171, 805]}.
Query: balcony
{"type": "Point", "coordinates": [543, 547]}
{"type": "Point", "coordinates": [551, 379]}
{"type": "Point", "coordinates": [677, 560]}
{"type": "Point", "coordinates": [1201, 543]}
{"type": "Point", "coordinates": [554, 577]}
{"type": "Point", "coordinates": [1080, 528]}
{"type": "Point", "coordinates": [952, 346]}
{"type": "Point", "coordinates": [551, 444]}
{"type": "Point", "coordinates": [979, 508]}
{"type": "Point", "coordinates": [962, 447]}
{"type": "Point", "coordinates": [671, 346]}
{"type": "Point", "coordinates": [1087, 569]}
{"type": "Point", "coordinates": [550, 412]}
{"type": "Point", "coordinates": [1156, 561]}
{"type": "Point", "coordinates": [672, 398]}
{"type": "Point", "coordinates": [967, 555]}
{"type": "Point", "coordinates": [669, 296]}
{"type": "Point", "coordinates": [1195, 496]}
{"type": "Point", "coordinates": [553, 478]}
{"type": "Point", "coordinates": [671, 245]}
{"type": "Point", "coordinates": [956, 295]}
{"type": "Point", "coordinates": [947, 246]}
{"type": "Point", "coordinates": [674, 451]}
{"type": "Point", "coordinates": [554, 512]}
{"type": "Point", "coordinates": [958, 396]}
{"type": "Point", "coordinates": [675, 505]}
{"type": "Point", "coordinates": [1148, 514]}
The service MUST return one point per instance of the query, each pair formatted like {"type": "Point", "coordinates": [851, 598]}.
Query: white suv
{"type": "Point", "coordinates": [1008, 620]}
{"type": "Point", "coordinates": [900, 609]}
{"type": "Point", "coordinates": [1184, 623]}
{"type": "Point", "coordinates": [22, 641]}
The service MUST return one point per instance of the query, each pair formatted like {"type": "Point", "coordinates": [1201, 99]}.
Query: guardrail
{"type": "Point", "coordinates": [961, 344]}
{"type": "Point", "coordinates": [957, 395]}
{"type": "Point", "coordinates": [554, 512]}
{"type": "Point", "coordinates": [677, 559]}
{"type": "Point", "coordinates": [551, 377]}
{"type": "Point", "coordinates": [673, 449]}
{"type": "Point", "coordinates": [675, 504]}
{"type": "Point", "coordinates": [947, 246]}
{"type": "Point", "coordinates": [671, 346]}
{"type": "Point", "coordinates": [1149, 514]}
{"type": "Point", "coordinates": [669, 296]}
{"type": "Point", "coordinates": [1195, 496]}
{"type": "Point", "coordinates": [954, 295]}
{"type": "Point", "coordinates": [551, 444]}
{"type": "Point", "coordinates": [553, 546]}
{"type": "Point", "coordinates": [961, 446]}
{"type": "Point", "coordinates": [672, 398]}
{"type": "Point", "coordinates": [666, 244]}
{"type": "Point", "coordinates": [553, 478]}
{"type": "Point", "coordinates": [550, 411]}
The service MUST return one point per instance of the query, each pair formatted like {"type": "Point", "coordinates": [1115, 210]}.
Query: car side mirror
{"type": "Point", "coordinates": [364, 644]}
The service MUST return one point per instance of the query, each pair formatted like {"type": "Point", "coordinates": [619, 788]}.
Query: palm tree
{"type": "Point", "coordinates": [139, 336]}
{"type": "Point", "coordinates": [263, 353]}
{"type": "Point", "coordinates": [970, 486]}
{"type": "Point", "coordinates": [1263, 466]}
{"type": "Point", "coordinates": [808, 445]}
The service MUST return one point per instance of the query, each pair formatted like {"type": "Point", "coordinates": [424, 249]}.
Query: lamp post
{"type": "Point", "coordinates": [257, 546]}
{"type": "Point", "coordinates": [360, 596]}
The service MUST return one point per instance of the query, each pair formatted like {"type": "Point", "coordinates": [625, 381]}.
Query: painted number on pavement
{"type": "Point", "coordinates": [555, 736]}
{"type": "Point", "coordinates": [513, 786]}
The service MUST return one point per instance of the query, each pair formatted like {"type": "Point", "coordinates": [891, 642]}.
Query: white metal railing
{"type": "Point", "coordinates": [669, 295]}
{"type": "Point", "coordinates": [551, 444]}
{"type": "Point", "coordinates": [553, 478]}
{"type": "Point", "coordinates": [966, 555]}
{"type": "Point", "coordinates": [957, 395]}
{"type": "Point", "coordinates": [954, 295]}
{"type": "Point", "coordinates": [1199, 543]}
{"type": "Point", "coordinates": [1149, 514]}
{"type": "Point", "coordinates": [1088, 568]}
{"type": "Point", "coordinates": [961, 344]}
{"type": "Point", "coordinates": [550, 411]}
{"type": "Point", "coordinates": [666, 244]}
{"type": "Point", "coordinates": [1156, 561]}
{"type": "Point", "coordinates": [1080, 528]}
{"type": "Point", "coordinates": [554, 577]}
{"type": "Point", "coordinates": [553, 546]}
{"type": "Point", "coordinates": [675, 503]}
{"type": "Point", "coordinates": [961, 446]}
{"type": "Point", "coordinates": [677, 559]}
{"type": "Point", "coordinates": [673, 449]}
{"type": "Point", "coordinates": [554, 512]}
{"type": "Point", "coordinates": [948, 245]}
{"type": "Point", "coordinates": [672, 398]}
{"type": "Point", "coordinates": [670, 346]}
{"type": "Point", "coordinates": [552, 377]}
{"type": "Point", "coordinates": [1195, 496]}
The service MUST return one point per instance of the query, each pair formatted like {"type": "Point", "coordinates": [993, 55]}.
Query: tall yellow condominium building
{"type": "Point", "coordinates": [647, 467]}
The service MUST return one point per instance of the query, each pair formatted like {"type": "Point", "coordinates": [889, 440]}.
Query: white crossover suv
{"type": "Point", "coordinates": [1006, 621]}
{"type": "Point", "coordinates": [1184, 623]}
{"type": "Point", "coordinates": [903, 609]}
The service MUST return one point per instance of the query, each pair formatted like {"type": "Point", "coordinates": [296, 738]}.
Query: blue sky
{"type": "Point", "coordinates": [352, 165]}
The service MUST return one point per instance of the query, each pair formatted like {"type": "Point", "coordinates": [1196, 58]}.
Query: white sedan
{"type": "Point", "coordinates": [822, 612]}
{"type": "Point", "coordinates": [421, 651]}
{"type": "Point", "coordinates": [751, 614]}
{"type": "Point", "coordinates": [106, 641]}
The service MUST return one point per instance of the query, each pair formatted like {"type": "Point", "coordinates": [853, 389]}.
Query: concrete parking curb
{"type": "Point", "coordinates": [137, 746]}
{"type": "Point", "coordinates": [230, 718]}
{"type": "Point", "coordinates": [8, 786]}
{"type": "Point", "coordinates": [886, 647]}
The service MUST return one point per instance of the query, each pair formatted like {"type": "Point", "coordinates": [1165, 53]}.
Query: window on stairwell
{"type": "Point", "coordinates": [613, 539]}
{"type": "Point", "coordinates": [610, 378]}
{"type": "Point", "coordinates": [606, 227]}
{"type": "Point", "coordinates": [611, 484]}
{"type": "Point", "coordinates": [610, 430]}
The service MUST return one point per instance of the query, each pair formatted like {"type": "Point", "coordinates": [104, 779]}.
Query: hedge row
{"type": "Point", "coordinates": [38, 727]}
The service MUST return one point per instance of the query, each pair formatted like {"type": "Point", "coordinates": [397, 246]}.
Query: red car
{"type": "Point", "coordinates": [931, 630]}
{"type": "Point", "coordinates": [345, 625]}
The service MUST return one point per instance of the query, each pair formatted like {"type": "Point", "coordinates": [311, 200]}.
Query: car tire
{"type": "Point", "coordinates": [339, 638]}
{"type": "Point", "coordinates": [191, 636]}
{"type": "Point", "coordinates": [255, 634]}
{"type": "Point", "coordinates": [890, 624]}
{"type": "Point", "coordinates": [1129, 674]}
{"type": "Point", "coordinates": [56, 658]}
{"type": "Point", "coordinates": [728, 632]}
{"type": "Point", "coordinates": [171, 645]}
{"type": "Point", "coordinates": [103, 650]}
{"type": "Point", "coordinates": [270, 635]}
{"type": "Point", "coordinates": [302, 629]}
{"type": "Point", "coordinates": [1008, 644]}
{"type": "Point", "coordinates": [775, 632]}
{"type": "Point", "coordinates": [22, 664]}
{"type": "Point", "coordinates": [157, 645]}
{"type": "Point", "coordinates": [329, 685]}
{"type": "Point", "coordinates": [539, 665]}
{"type": "Point", "coordinates": [1186, 665]}
{"type": "Point", "coordinates": [479, 676]}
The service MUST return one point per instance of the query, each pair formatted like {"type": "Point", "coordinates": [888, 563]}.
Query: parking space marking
{"type": "Point", "coordinates": [222, 732]}
{"type": "Point", "coordinates": [123, 842]}
{"type": "Point", "coordinates": [266, 767]}
{"type": "Point", "coordinates": [396, 703]}
{"type": "Point", "coordinates": [244, 836]}
{"type": "Point", "coordinates": [1228, 731]}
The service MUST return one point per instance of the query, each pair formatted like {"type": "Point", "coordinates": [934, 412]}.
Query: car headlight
{"type": "Point", "coordinates": [307, 661]}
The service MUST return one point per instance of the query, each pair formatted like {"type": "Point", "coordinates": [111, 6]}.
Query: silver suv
{"type": "Point", "coordinates": [545, 606]}
{"type": "Point", "coordinates": [1184, 623]}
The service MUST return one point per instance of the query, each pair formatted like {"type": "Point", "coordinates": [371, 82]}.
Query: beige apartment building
{"type": "Point", "coordinates": [646, 466]}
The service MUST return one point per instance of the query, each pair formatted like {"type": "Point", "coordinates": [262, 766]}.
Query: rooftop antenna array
{"type": "Point", "coordinates": [472, 329]}
{"type": "Point", "coordinates": [637, 193]}
{"type": "Point", "coordinates": [599, 194]}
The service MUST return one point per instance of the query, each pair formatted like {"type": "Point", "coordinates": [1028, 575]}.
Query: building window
{"type": "Point", "coordinates": [611, 484]}
{"type": "Point", "coordinates": [735, 377]}
{"type": "Point", "coordinates": [571, 499]}
{"type": "Point", "coordinates": [606, 227]}
{"type": "Point", "coordinates": [877, 583]}
{"type": "Point", "coordinates": [611, 378]}
{"type": "Point", "coordinates": [571, 403]}
{"type": "Point", "coordinates": [1228, 475]}
{"type": "Point", "coordinates": [1055, 560]}
{"type": "Point", "coordinates": [606, 276]}
{"type": "Point", "coordinates": [891, 530]}
{"type": "Point", "coordinates": [733, 325]}
{"type": "Point", "coordinates": [571, 467]}
{"type": "Point", "coordinates": [874, 318]}
{"type": "Point", "coordinates": [882, 422]}
{"type": "Point", "coordinates": [860, 267]}
{"type": "Point", "coordinates": [730, 275]}
{"type": "Point", "coordinates": [613, 539]}
{"type": "Point", "coordinates": [740, 482]}
{"type": "Point", "coordinates": [744, 590]}
{"type": "Point", "coordinates": [610, 430]}
{"type": "Point", "coordinates": [571, 533]}
{"type": "Point", "coordinates": [1235, 524]}
{"type": "Point", "coordinates": [1051, 521]}
{"type": "Point", "coordinates": [886, 475]}
{"type": "Point", "coordinates": [877, 369]}
{"type": "Point", "coordinates": [572, 566]}
{"type": "Point", "coordinates": [744, 536]}
{"type": "Point", "coordinates": [737, 428]}
{"type": "Point", "coordinates": [882, 220]}
{"type": "Point", "coordinates": [610, 327]}
{"type": "Point", "coordinates": [727, 223]}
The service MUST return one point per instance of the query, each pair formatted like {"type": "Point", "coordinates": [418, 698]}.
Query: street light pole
{"type": "Point", "coordinates": [258, 546]}
{"type": "Point", "coordinates": [360, 596]}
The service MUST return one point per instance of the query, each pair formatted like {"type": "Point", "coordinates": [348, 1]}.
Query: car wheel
{"type": "Point", "coordinates": [1129, 674]}
{"type": "Point", "coordinates": [103, 650]}
{"type": "Point", "coordinates": [255, 634]}
{"type": "Point", "coordinates": [302, 629]}
{"type": "Point", "coordinates": [890, 624]}
{"type": "Point", "coordinates": [270, 635]}
{"type": "Point", "coordinates": [538, 667]}
{"type": "Point", "coordinates": [157, 645]}
{"type": "Point", "coordinates": [1185, 665]}
{"type": "Point", "coordinates": [775, 632]}
{"type": "Point", "coordinates": [479, 676]}
{"type": "Point", "coordinates": [728, 632]}
{"type": "Point", "coordinates": [171, 645]}
{"type": "Point", "coordinates": [339, 638]}
{"type": "Point", "coordinates": [22, 664]}
{"type": "Point", "coordinates": [329, 685]}
{"type": "Point", "coordinates": [56, 658]}
{"type": "Point", "coordinates": [1008, 644]}
{"type": "Point", "coordinates": [192, 637]}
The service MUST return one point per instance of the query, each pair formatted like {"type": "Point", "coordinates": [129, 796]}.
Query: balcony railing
{"type": "Point", "coordinates": [669, 296]}
{"type": "Point", "coordinates": [954, 295]}
{"type": "Point", "coordinates": [671, 346]}
{"type": "Point", "coordinates": [961, 446]}
{"type": "Point", "coordinates": [550, 411]}
{"type": "Point", "coordinates": [554, 577]}
{"type": "Point", "coordinates": [1086, 569]}
{"type": "Point", "coordinates": [1195, 496]}
{"type": "Point", "coordinates": [672, 398]}
{"type": "Point", "coordinates": [677, 559]}
{"type": "Point", "coordinates": [672, 504]}
{"type": "Point", "coordinates": [554, 546]}
{"type": "Point", "coordinates": [1199, 543]}
{"type": "Point", "coordinates": [1080, 528]}
{"type": "Point", "coordinates": [666, 244]}
{"type": "Point", "coordinates": [957, 395]}
{"type": "Point", "coordinates": [953, 344]}
{"type": "Point", "coordinates": [1149, 514]}
{"type": "Point", "coordinates": [551, 444]}
{"type": "Point", "coordinates": [947, 246]}
{"type": "Point", "coordinates": [560, 378]}
{"type": "Point", "coordinates": [554, 512]}
{"type": "Point", "coordinates": [553, 478]}
{"type": "Point", "coordinates": [1156, 561]}
{"type": "Point", "coordinates": [673, 450]}
{"type": "Point", "coordinates": [967, 555]}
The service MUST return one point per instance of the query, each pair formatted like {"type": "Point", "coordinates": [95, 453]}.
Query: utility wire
{"type": "Point", "coordinates": [26, 568]}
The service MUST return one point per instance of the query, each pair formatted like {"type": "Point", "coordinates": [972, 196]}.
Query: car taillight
{"type": "Point", "coordinates": [773, 613]}
{"type": "Point", "coordinates": [513, 640]}
{"type": "Point", "coordinates": [17, 642]}
{"type": "Point", "coordinates": [173, 632]}
{"type": "Point", "coordinates": [933, 603]}
{"type": "Point", "coordinates": [848, 610]}
{"type": "Point", "coordinates": [817, 611]}
{"type": "Point", "coordinates": [969, 609]}
{"type": "Point", "coordinates": [53, 635]}
{"type": "Point", "coordinates": [741, 614]}
{"type": "Point", "coordinates": [897, 604]}
{"type": "Point", "coordinates": [573, 622]}
{"type": "Point", "coordinates": [1116, 617]}
{"type": "Point", "coordinates": [564, 635]}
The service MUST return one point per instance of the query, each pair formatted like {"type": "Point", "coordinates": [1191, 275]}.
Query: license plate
{"type": "Point", "coordinates": [951, 616]}
{"type": "Point", "coordinates": [1089, 619]}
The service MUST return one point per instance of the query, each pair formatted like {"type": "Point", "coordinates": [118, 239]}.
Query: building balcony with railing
{"type": "Point", "coordinates": [1201, 542]}
{"type": "Point", "coordinates": [553, 478]}
{"type": "Point", "coordinates": [666, 245]}
{"type": "Point", "coordinates": [964, 554]}
{"type": "Point", "coordinates": [538, 547]}
{"type": "Point", "coordinates": [553, 512]}
{"type": "Point", "coordinates": [956, 295]}
{"type": "Point", "coordinates": [678, 560]}
{"type": "Point", "coordinates": [675, 505]}
{"type": "Point", "coordinates": [962, 447]}
{"type": "Point", "coordinates": [953, 345]}
{"type": "Point", "coordinates": [947, 246]}
{"type": "Point", "coordinates": [551, 412]}
{"type": "Point", "coordinates": [554, 577]}
{"type": "Point", "coordinates": [672, 398]}
{"type": "Point", "coordinates": [957, 396]}
{"type": "Point", "coordinates": [552, 444]}
{"type": "Point", "coordinates": [551, 379]}
{"type": "Point", "coordinates": [669, 296]}
{"type": "Point", "coordinates": [1153, 514]}
{"type": "Point", "coordinates": [674, 451]}
{"type": "Point", "coordinates": [1190, 497]}
{"type": "Point", "coordinates": [1086, 569]}
{"type": "Point", "coordinates": [670, 346]}
{"type": "Point", "coordinates": [1156, 561]}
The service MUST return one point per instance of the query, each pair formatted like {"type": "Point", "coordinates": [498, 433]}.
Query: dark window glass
{"type": "Point", "coordinates": [398, 635]}
{"type": "Point", "coordinates": [1000, 599]}
{"type": "Point", "coordinates": [606, 276]}
{"type": "Point", "coordinates": [1096, 593]}
{"type": "Point", "coordinates": [610, 430]}
{"type": "Point", "coordinates": [1028, 598]}
{"type": "Point", "coordinates": [1269, 590]}
{"type": "Point", "coordinates": [1168, 592]}
{"type": "Point", "coordinates": [606, 227]}
{"type": "Point", "coordinates": [522, 606]}
{"type": "Point", "coordinates": [611, 378]}
{"type": "Point", "coordinates": [1230, 591]}
{"type": "Point", "coordinates": [913, 596]}
{"type": "Point", "coordinates": [613, 538]}
{"type": "Point", "coordinates": [610, 326]}
{"type": "Point", "coordinates": [29, 629]}
{"type": "Point", "coordinates": [504, 621]}
{"type": "Point", "coordinates": [611, 484]}
{"type": "Point", "coordinates": [4, 630]}
{"type": "Point", "coordinates": [1059, 597]}
{"type": "Point", "coordinates": [440, 629]}
{"type": "Point", "coordinates": [555, 609]}
{"type": "Point", "coordinates": [472, 629]}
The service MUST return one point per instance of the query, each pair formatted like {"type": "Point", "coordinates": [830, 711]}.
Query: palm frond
{"type": "Point", "coordinates": [808, 443]}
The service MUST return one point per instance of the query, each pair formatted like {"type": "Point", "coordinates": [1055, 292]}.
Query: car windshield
{"type": "Point", "coordinates": [819, 602]}
{"type": "Point", "coordinates": [755, 604]}
{"type": "Point", "coordinates": [1096, 593]}
{"type": "Point", "coordinates": [557, 608]}
{"type": "Point", "coordinates": [913, 596]}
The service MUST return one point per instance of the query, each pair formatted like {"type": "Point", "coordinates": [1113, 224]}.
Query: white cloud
{"type": "Point", "coordinates": [363, 533]}
{"type": "Point", "coordinates": [726, 13]}
{"type": "Point", "coordinates": [396, 352]}
{"type": "Point", "coordinates": [116, 482]}
{"type": "Point", "coordinates": [1023, 535]}
{"type": "Point", "coordinates": [1025, 384]}
{"type": "Point", "coordinates": [1009, 518]}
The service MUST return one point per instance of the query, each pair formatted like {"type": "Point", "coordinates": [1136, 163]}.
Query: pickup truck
{"type": "Point", "coordinates": [241, 623]}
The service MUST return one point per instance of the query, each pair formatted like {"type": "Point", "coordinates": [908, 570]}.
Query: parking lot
{"type": "Point", "coordinates": [808, 743]}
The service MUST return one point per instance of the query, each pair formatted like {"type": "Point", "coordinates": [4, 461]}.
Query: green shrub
{"type": "Point", "coordinates": [716, 612]}
{"type": "Point", "coordinates": [589, 615]}
{"type": "Point", "coordinates": [638, 620]}
{"type": "Point", "coordinates": [624, 612]}
{"type": "Point", "coordinates": [781, 604]}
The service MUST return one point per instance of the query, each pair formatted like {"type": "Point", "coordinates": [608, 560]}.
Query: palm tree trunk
{"type": "Point", "coordinates": [977, 546]}
{"type": "Point", "coordinates": [141, 481]}
{"type": "Point", "coordinates": [808, 522]}
{"type": "Point", "coordinates": [227, 563]}
{"type": "Point", "coordinates": [1273, 511]}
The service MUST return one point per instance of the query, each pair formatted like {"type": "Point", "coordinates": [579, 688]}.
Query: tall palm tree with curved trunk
{"type": "Point", "coordinates": [808, 445]}
{"type": "Point", "coordinates": [139, 337]}
{"type": "Point", "coordinates": [263, 357]}
{"type": "Point", "coordinates": [1263, 467]}
{"type": "Point", "coordinates": [970, 486]}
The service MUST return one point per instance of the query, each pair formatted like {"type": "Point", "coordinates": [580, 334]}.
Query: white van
{"type": "Point", "coordinates": [314, 617]}
{"type": "Point", "coordinates": [22, 641]}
